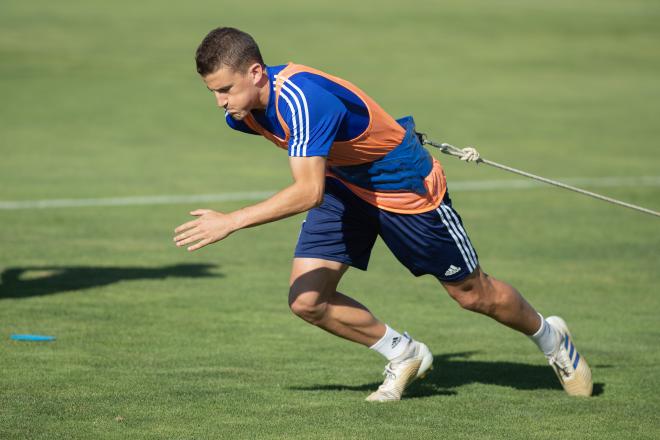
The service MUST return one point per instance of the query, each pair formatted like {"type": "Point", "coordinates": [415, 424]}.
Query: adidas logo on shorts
{"type": "Point", "coordinates": [452, 270]}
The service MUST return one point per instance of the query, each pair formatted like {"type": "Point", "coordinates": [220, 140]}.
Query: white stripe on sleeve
{"type": "Point", "coordinates": [306, 113]}
{"type": "Point", "coordinates": [294, 132]}
{"type": "Point", "coordinates": [285, 91]}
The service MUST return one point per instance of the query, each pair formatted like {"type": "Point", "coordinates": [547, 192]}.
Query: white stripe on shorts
{"type": "Point", "coordinates": [453, 232]}
{"type": "Point", "coordinates": [457, 222]}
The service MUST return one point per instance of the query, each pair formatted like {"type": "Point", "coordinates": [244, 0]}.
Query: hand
{"type": "Point", "coordinates": [470, 154]}
{"type": "Point", "coordinates": [209, 227]}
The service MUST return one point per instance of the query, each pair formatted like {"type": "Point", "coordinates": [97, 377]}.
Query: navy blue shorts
{"type": "Point", "coordinates": [344, 229]}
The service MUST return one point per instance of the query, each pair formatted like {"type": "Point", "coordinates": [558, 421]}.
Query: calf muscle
{"type": "Point", "coordinates": [487, 295]}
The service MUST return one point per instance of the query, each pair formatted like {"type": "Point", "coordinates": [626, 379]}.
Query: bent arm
{"type": "Point", "coordinates": [305, 193]}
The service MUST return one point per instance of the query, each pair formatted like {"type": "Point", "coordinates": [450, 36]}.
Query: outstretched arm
{"type": "Point", "coordinates": [305, 193]}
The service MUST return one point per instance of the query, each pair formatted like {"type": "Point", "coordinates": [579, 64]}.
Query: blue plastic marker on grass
{"type": "Point", "coordinates": [32, 337]}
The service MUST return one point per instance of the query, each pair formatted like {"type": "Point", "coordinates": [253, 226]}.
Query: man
{"type": "Point", "coordinates": [360, 174]}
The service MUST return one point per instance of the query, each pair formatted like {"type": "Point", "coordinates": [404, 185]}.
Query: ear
{"type": "Point", "coordinates": [256, 72]}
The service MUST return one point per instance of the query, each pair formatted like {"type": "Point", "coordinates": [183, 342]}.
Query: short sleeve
{"type": "Point", "coordinates": [313, 115]}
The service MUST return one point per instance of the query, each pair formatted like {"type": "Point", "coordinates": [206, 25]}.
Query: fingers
{"type": "Point", "coordinates": [201, 239]}
{"type": "Point", "coordinates": [201, 244]}
{"type": "Point", "coordinates": [186, 226]}
{"type": "Point", "coordinates": [184, 239]}
{"type": "Point", "coordinates": [199, 232]}
{"type": "Point", "coordinates": [192, 223]}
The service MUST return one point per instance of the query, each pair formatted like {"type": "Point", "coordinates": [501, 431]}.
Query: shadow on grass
{"type": "Point", "coordinates": [454, 370]}
{"type": "Point", "coordinates": [24, 282]}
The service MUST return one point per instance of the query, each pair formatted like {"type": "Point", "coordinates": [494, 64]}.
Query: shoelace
{"type": "Point", "coordinates": [390, 376]}
{"type": "Point", "coordinates": [389, 373]}
{"type": "Point", "coordinates": [562, 369]}
{"type": "Point", "coordinates": [561, 361]}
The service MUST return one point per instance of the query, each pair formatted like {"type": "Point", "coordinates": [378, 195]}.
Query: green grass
{"type": "Point", "coordinates": [155, 343]}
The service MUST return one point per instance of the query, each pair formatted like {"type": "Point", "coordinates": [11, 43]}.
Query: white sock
{"type": "Point", "coordinates": [392, 345]}
{"type": "Point", "coordinates": [546, 338]}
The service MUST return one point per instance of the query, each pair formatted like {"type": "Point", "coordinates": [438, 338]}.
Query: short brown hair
{"type": "Point", "coordinates": [225, 46]}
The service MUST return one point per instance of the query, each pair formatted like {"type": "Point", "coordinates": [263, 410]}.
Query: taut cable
{"type": "Point", "coordinates": [474, 156]}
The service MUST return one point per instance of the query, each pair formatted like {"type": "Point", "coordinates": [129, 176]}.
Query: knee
{"type": "Point", "coordinates": [473, 295]}
{"type": "Point", "coordinates": [309, 311]}
{"type": "Point", "coordinates": [472, 300]}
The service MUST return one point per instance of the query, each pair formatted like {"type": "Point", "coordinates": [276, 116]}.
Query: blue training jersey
{"type": "Point", "coordinates": [380, 159]}
{"type": "Point", "coordinates": [317, 110]}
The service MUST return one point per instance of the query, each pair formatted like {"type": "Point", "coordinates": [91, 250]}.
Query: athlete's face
{"type": "Point", "coordinates": [238, 92]}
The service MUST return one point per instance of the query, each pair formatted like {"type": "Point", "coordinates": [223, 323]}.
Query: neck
{"type": "Point", "coordinates": [264, 92]}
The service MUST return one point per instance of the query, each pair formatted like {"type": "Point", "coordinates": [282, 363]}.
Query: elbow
{"type": "Point", "coordinates": [310, 195]}
{"type": "Point", "coordinates": [316, 200]}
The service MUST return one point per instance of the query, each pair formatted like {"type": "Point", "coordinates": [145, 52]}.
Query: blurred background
{"type": "Point", "coordinates": [101, 100]}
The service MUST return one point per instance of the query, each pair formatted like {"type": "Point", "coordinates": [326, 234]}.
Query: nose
{"type": "Point", "coordinates": [221, 99]}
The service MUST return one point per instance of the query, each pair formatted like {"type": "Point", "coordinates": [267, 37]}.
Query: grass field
{"type": "Point", "coordinates": [101, 100]}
